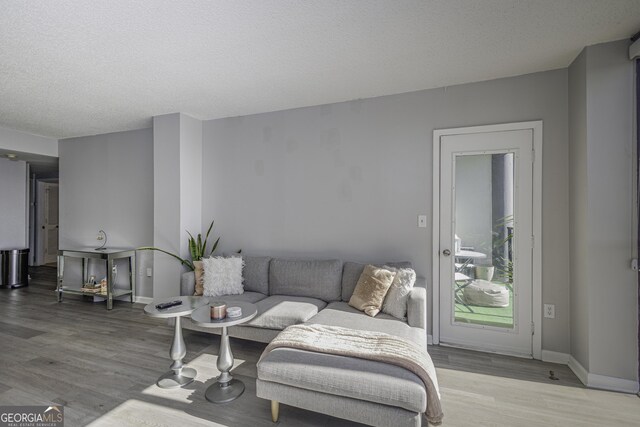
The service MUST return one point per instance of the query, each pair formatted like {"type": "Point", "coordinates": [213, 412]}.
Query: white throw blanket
{"type": "Point", "coordinates": [375, 346]}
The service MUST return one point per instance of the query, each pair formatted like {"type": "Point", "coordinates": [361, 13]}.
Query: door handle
{"type": "Point", "coordinates": [446, 252]}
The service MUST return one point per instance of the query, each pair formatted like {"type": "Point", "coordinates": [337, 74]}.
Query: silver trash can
{"type": "Point", "coordinates": [15, 268]}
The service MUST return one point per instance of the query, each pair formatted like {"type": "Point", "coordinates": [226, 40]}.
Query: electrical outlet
{"type": "Point", "coordinates": [422, 221]}
{"type": "Point", "coordinates": [148, 272]}
{"type": "Point", "coordinates": [550, 311]}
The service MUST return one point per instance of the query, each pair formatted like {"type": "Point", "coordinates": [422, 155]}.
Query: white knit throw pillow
{"type": "Point", "coordinates": [222, 276]}
{"type": "Point", "coordinates": [395, 303]}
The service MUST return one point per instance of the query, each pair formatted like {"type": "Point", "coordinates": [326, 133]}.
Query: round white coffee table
{"type": "Point", "coordinates": [227, 388]}
{"type": "Point", "coordinates": [178, 376]}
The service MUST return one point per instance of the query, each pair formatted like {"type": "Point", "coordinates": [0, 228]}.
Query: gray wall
{"type": "Point", "coordinates": [23, 142]}
{"type": "Point", "coordinates": [166, 203]}
{"type": "Point", "coordinates": [190, 180]}
{"type": "Point", "coordinates": [13, 204]}
{"type": "Point", "coordinates": [613, 286]}
{"type": "Point", "coordinates": [604, 318]}
{"type": "Point", "coordinates": [579, 263]}
{"type": "Point", "coordinates": [177, 143]}
{"type": "Point", "coordinates": [106, 182]}
{"type": "Point", "coordinates": [347, 180]}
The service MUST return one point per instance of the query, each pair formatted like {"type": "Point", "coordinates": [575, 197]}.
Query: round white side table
{"type": "Point", "coordinates": [179, 375]}
{"type": "Point", "coordinates": [227, 388]}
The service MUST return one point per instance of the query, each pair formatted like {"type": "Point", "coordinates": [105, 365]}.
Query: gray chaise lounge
{"type": "Point", "coordinates": [290, 292]}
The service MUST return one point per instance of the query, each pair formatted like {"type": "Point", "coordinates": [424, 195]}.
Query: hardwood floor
{"type": "Point", "coordinates": [102, 366]}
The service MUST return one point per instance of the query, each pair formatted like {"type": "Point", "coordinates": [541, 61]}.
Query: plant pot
{"type": "Point", "coordinates": [485, 272]}
{"type": "Point", "coordinates": [198, 277]}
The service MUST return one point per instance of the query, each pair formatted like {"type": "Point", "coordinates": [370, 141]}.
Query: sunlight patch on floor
{"type": "Point", "coordinates": [138, 413]}
{"type": "Point", "coordinates": [205, 365]}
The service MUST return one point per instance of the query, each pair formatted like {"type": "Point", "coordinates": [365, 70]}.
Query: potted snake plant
{"type": "Point", "coordinates": [197, 250]}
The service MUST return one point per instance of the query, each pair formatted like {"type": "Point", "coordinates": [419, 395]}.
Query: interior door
{"type": "Point", "coordinates": [50, 226]}
{"type": "Point", "coordinates": [486, 229]}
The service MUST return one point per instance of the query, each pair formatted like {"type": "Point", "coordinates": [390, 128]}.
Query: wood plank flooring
{"type": "Point", "coordinates": [102, 366]}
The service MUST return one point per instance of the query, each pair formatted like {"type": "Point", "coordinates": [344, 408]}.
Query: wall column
{"type": "Point", "coordinates": [604, 309]}
{"type": "Point", "coordinates": [177, 188]}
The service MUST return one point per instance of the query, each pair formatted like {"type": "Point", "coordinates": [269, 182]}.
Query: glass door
{"type": "Point", "coordinates": [485, 241]}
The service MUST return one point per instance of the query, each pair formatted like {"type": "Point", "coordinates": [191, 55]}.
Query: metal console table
{"type": "Point", "coordinates": [108, 255]}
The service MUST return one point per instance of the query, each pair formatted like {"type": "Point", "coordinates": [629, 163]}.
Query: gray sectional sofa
{"type": "Point", "coordinates": [289, 292]}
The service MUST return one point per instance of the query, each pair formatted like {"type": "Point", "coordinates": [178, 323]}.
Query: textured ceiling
{"type": "Point", "coordinates": [71, 68]}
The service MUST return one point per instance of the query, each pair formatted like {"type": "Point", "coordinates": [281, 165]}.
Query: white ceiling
{"type": "Point", "coordinates": [79, 67]}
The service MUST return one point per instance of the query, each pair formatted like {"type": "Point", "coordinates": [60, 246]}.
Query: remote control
{"type": "Point", "coordinates": [166, 305]}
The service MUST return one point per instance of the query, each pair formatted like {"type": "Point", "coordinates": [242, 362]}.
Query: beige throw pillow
{"type": "Point", "coordinates": [371, 289]}
{"type": "Point", "coordinates": [199, 273]}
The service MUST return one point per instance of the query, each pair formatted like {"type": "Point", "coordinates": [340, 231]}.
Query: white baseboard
{"type": "Point", "coordinates": [143, 300]}
{"type": "Point", "coordinates": [601, 381]}
{"type": "Point", "coordinates": [555, 357]}
{"type": "Point", "coordinates": [429, 339]}
{"type": "Point", "coordinates": [612, 383]}
{"type": "Point", "coordinates": [579, 370]}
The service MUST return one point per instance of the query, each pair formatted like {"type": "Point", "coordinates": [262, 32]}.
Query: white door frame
{"type": "Point", "coordinates": [536, 127]}
{"type": "Point", "coordinates": [48, 257]}
{"type": "Point", "coordinates": [40, 220]}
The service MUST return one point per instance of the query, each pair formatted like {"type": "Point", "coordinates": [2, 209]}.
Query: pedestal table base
{"type": "Point", "coordinates": [173, 380]}
{"type": "Point", "coordinates": [227, 388]}
{"type": "Point", "coordinates": [219, 393]}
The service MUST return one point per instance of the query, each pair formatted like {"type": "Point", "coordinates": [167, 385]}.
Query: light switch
{"type": "Point", "coordinates": [148, 272]}
{"type": "Point", "coordinates": [422, 221]}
